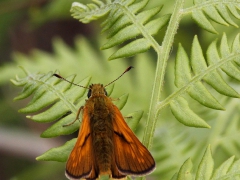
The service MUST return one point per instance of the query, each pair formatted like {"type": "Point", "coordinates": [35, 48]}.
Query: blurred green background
{"type": "Point", "coordinates": [27, 25]}
{"type": "Point", "coordinates": [41, 36]}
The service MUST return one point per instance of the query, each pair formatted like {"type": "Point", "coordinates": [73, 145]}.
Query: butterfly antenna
{"type": "Point", "coordinates": [62, 78]}
{"type": "Point", "coordinates": [128, 69]}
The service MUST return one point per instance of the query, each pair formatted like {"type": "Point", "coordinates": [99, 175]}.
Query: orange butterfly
{"type": "Point", "coordinates": [105, 143]}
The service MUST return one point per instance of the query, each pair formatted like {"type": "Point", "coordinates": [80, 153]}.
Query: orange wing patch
{"type": "Point", "coordinates": [80, 163]}
{"type": "Point", "coordinates": [131, 157]}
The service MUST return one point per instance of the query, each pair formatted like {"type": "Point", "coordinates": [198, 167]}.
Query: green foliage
{"type": "Point", "coordinates": [217, 11]}
{"type": "Point", "coordinates": [205, 83]}
{"type": "Point", "coordinates": [194, 87]}
{"type": "Point", "coordinates": [227, 170]}
{"type": "Point", "coordinates": [124, 23]}
{"type": "Point", "coordinates": [59, 154]}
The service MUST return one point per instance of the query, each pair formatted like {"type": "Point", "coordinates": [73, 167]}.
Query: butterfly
{"type": "Point", "coordinates": [105, 144]}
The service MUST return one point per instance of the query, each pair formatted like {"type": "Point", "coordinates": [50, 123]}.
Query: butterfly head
{"type": "Point", "coordinates": [96, 90]}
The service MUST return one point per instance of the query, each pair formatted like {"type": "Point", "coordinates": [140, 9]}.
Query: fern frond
{"type": "Point", "coordinates": [58, 97]}
{"type": "Point", "coordinates": [185, 115]}
{"type": "Point", "coordinates": [171, 148]}
{"type": "Point", "coordinates": [217, 11]}
{"type": "Point", "coordinates": [191, 73]}
{"type": "Point", "coordinates": [227, 170]}
{"type": "Point", "coordinates": [59, 154]}
{"type": "Point", "coordinates": [125, 23]}
{"type": "Point", "coordinates": [89, 12]}
{"type": "Point", "coordinates": [226, 130]}
{"type": "Point", "coordinates": [175, 143]}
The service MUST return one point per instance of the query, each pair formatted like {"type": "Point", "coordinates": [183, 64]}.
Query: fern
{"type": "Point", "coordinates": [218, 11]}
{"type": "Point", "coordinates": [125, 22]}
{"type": "Point", "coordinates": [50, 92]}
{"type": "Point", "coordinates": [227, 170]}
{"type": "Point", "coordinates": [194, 87]}
{"type": "Point", "coordinates": [202, 80]}
{"type": "Point", "coordinates": [174, 143]}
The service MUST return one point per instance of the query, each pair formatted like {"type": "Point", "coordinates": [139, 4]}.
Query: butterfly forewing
{"type": "Point", "coordinates": [131, 157]}
{"type": "Point", "coordinates": [80, 163]}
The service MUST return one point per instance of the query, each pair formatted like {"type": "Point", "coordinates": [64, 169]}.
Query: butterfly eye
{"type": "Point", "coordinates": [89, 93]}
{"type": "Point", "coordinates": [105, 92]}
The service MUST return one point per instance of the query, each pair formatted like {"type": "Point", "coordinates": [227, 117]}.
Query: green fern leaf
{"type": "Point", "coordinates": [134, 120]}
{"type": "Point", "coordinates": [230, 68]}
{"type": "Point", "coordinates": [223, 169]}
{"type": "Point", "coordinates": [214, 79]}
{"type": "Point", "coordinates": [185, 171]}
{"type": "Point", "coordinates": [59, 154]}
{"type": "Point", "coordinates": [217, 11]}
{"type": "Point", "coordinates": [224, 13]}
{"type": "Point", "coordinates": [131, 31]}
{"type": "Point", "coordinates": [234, 170]}
{"type": "Point", "coordinates": [183, 74]}
{"type": "Point", "coordinates": [90, 12]}
{"type": "Point", "coordinates": [227, 170]}
{"type": "Point", "coordinates": [122, 100]}
{"type": "Point", "coordinates": [202, 21]}
{"type": "Point", "coordinates": [126, 31]}
{"type": "Point", "coordinates": [51, 92]}
{"type": "Point", "coordinates": [230, 128]}
{"type": "Point", "coordinates": [232, 8]}
{"type": "Point", "coordinates": [185, 115]}
{"type": "Point", "coordinates": [208, 71]}
{"type": "Point", "coordinates": [126, 22]}
{"type": "Point", "coordinates": [206, 166]}
{"type": "Point", "coordinates": [214, 15]}
{"type": "Point", "coordinates": [137, 7]}
{"type": "Point", "coordinates": [57, 128]}
{"type": "Point", "coordinates": [137, 46]}
{"type": "Point", "coordinates": [50, 96]}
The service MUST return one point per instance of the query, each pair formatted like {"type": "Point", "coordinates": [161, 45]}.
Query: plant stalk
{"type": "Point", "coordinates": [163, 56]}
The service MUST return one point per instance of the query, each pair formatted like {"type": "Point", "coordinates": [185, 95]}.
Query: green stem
{"type": "Point", "coordinates": [163, 56]}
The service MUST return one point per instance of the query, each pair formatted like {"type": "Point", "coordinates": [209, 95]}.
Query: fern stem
{"type": "Point", "coordinates": [163, 56]}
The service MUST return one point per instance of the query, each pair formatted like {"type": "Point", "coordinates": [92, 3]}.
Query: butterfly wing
{"type": "Point", "coordinates": [80, 163]}
{"type": "Point", "coordinates": [131, 157]}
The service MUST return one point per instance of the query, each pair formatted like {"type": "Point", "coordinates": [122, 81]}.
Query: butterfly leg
{"type": "Point", "coordinates": [114, 99]}
{"type": "Point", "coordinates": [77, 117]}
{"type": "Point", "coordinates": [128, 117]}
